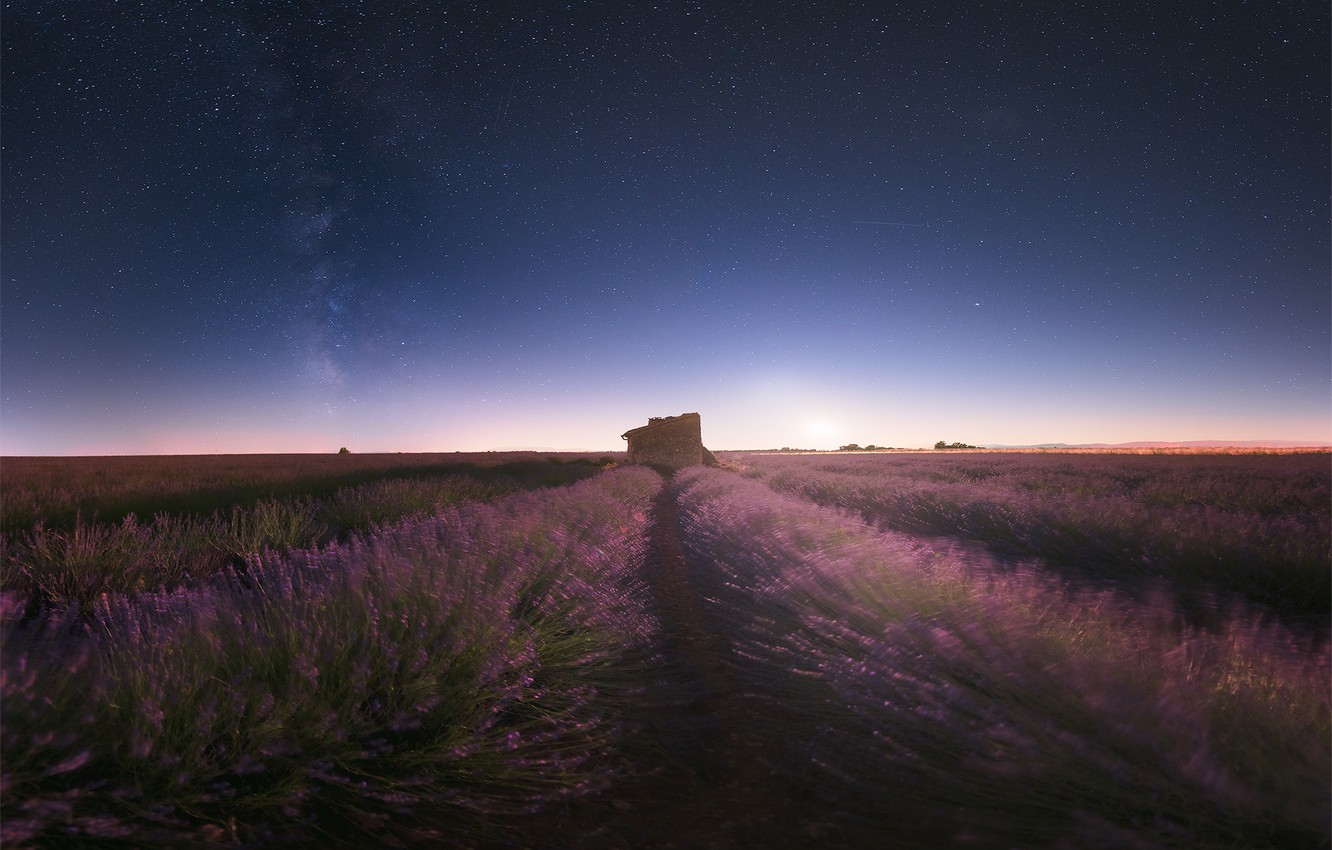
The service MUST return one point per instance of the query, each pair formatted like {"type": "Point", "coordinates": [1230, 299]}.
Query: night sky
{"type": "Point", "coordinates": [291, 227]}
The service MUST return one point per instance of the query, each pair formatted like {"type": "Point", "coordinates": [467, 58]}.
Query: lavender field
{"type": "Point", "coordinates": [859, 651]}
{"type": "Point", "coordinates": [1217, 528]}
{"type": "Point", "coordinates": [426, 683]}
{"type": "Point", "coordinates": [939, 697]}
{"type": "Point", "coordinates": [76, 528]}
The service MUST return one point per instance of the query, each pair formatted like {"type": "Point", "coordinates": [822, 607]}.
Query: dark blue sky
{"type": "Point", "coordinates": [298, 226]}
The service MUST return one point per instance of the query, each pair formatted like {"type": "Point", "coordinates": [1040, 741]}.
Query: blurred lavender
{"type": "Point", "coordinates": [1256, 526]}
{"type": "Point", "coordinates": [414, 685]}
{"type": "Point", "coordinates": [59, 566]}
{"type": "Point", "coordinates": [931, 699]}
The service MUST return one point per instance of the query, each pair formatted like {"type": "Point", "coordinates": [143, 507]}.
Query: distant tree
{"type": "Point", "coordinates": [871, 447]}
{"type": "Point", "coordinates": [849, 447]}
{"type": "Point", "coordinates": [344, 451]}
{"type": "Point", "coordinates": [942, 445]}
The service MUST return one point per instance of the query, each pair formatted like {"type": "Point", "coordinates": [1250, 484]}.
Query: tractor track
{"type": "Point", "coordinates": [712, 789]}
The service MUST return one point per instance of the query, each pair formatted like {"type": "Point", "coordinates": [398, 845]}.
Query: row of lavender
{"type": "Point", "coordinates": [408, 685]}
{"type": "Point", "coordinates": [930, 700]}
{"type": "Point", "coordinates": [58, 491]}
{"type": "Point", "coordinates": [75, 566]}
{"type": "Point", "coordinates": [1256, 526]}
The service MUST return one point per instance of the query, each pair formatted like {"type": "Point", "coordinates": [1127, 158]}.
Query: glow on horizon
{"type": "Point", "coordinates": [303, 265]}
{"type": "Point", "coordinates": [547, 430]}
{"type": "Point", "coordinates": [741, 409]}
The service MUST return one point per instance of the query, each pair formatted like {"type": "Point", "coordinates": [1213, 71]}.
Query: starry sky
{"type": "Point", "coordinates": [295, 226]}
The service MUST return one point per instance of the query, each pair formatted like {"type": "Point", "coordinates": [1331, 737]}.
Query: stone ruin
{"type": "Point", "coordinates": [669, 442]}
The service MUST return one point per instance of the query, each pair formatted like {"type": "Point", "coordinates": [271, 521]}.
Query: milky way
{"type": "Point", "coordinates": [294, 227]}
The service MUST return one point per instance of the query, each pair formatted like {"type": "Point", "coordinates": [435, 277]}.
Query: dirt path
{"type": "Point", "coordinates": [713, 791]}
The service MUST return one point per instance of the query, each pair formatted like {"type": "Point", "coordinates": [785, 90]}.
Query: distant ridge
{"type": "Point", "coordinates": [1177, 444]}
{"type": "Point", "coordinates": [551, 450]}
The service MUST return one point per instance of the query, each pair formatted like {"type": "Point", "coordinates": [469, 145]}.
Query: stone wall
{"type": "Point", "coordinates": [668, 441]}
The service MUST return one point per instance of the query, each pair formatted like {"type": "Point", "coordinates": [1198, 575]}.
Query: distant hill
{"type": "Point", "coordinates": [550, 450]}
{"type": "Point", "coordinates": [1178, 444]}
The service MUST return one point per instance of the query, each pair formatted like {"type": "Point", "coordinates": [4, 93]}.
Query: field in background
{"type": "Point", "coordinates": [57, 491]}
{"type": "Point", "coordinates": [1213, 527]}
{"type": "Point", "coordinates": [980, 649]}
{"type": "Point", "coordinates": [1066, 450]}
{"type": "Point", "coordinates": [75, 528]}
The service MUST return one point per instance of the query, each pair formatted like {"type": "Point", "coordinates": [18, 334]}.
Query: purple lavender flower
{"type": "Point", "coordinates": [459, 665]}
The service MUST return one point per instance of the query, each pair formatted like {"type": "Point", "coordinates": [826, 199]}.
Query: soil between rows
{"type": "Point", "coordinates": [713, 790]}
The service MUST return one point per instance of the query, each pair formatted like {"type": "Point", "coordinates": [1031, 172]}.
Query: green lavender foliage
{"type": "Point", "coordinates": [1208, 526]}
{"type": "Point", "coordinates": [930, 698]}
{"type": "Point", "coordinates": [422, 684]}
{"type": "Point", "coordinates": [76, 565]}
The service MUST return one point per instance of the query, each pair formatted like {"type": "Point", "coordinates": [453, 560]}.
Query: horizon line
{"type": "Point", "coordinates": [1131, 444]}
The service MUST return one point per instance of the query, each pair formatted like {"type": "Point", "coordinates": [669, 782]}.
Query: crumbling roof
{"type": "Point", "coordinates": [656, 422]}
